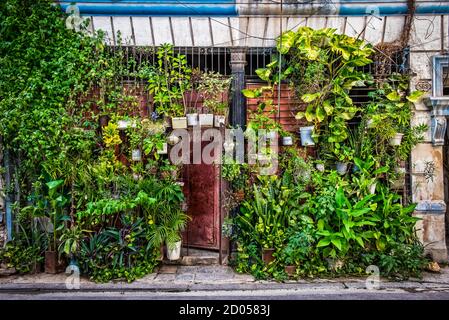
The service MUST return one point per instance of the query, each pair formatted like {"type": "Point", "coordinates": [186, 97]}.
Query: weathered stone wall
{"type": "Point", "coordinates": [428, 38]}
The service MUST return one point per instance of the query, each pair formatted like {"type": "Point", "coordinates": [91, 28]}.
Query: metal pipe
{"type": "Point", "coordinates": [8, 201]}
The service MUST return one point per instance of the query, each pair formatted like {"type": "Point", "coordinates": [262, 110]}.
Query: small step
{"type": "Point", "coordinates": [195, 257]}
{"type": "Point", "coordinates": [193, 261]}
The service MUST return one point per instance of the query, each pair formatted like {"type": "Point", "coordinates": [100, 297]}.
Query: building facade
{"type": "Point", "coordinates": [240, 31]}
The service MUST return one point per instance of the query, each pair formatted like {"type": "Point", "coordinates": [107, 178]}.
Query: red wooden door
{"type": "Point", "coordinates": [201, 187]}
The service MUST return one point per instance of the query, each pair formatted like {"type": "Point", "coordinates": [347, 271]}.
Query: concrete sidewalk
{"type": "Point", "coordinates": [216, 278]}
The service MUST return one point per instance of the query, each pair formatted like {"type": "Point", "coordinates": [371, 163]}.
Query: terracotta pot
{"type": "Point", "coordinates": [267, 255]}
{"type": "Point", "coordinates": [290, 270]}
{"type": "Point", "coordinates": [52, 263]}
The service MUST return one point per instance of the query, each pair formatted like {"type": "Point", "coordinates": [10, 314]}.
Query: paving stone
{"type": "Point", "coordinates": [185, 277]}
{"type": "Point", "coordinates": [188, 269]}
{"type": "Point", "coordinates": [215, 269]}
{"type": "Point", "coordinates": [214, 277]}
{"type": "Point", "coordinates": [168, 269]}
{"type": "Point", "coordinates": [148, 278]}
{"type": "Point", "coordinates": [243, 278]}
{"type": "Point", "coordinates": [165, 277]}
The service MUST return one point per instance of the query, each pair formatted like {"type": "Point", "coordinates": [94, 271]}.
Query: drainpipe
{"type": "Point", "coordinates": [6, 163]}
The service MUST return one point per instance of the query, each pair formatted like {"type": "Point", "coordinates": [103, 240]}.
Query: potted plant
{"type": "Point", "coordinates": [306, 136]}
{"type": "Point", "coordinates": [135, 142]}
{"type": "Point", "coordinates": [192, 119]}
{"type": "Point", "coordinates": [320, 165]}
{"type": "Point", "coordinates": [178, 119]}
{"type": "Point", "coordinates": [206, 119]}
{"type": "Point", "coordinates": [396, 139]}
{"type": "Point", "coordinates": [168, 80]}
{"type": "Point", "coordinates": [69, 243]}
{"type": "Point", "coordinates": [344, 155]}
{"type": "Point", "coordinates": [56, 201]}
{"type": "Point", "coordinates": [214, 89]}
{"type": "Point", "coordinates": [286, 138]}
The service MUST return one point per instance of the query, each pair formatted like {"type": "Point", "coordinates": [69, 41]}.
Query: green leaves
{"type": "Point", "coordinates": [394, 96]}
{"type": "Point", "coordinates": [415, 96]}
{"type": "Point", "coordinates": [54, 184]}
{"type": "Point", "coordinates": [309, 97]}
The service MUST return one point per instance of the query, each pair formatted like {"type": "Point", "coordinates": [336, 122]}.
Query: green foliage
{"type": "Point", "coordinates": [213, 87]}
{"type": "Point", "coordinates": [168, 80]}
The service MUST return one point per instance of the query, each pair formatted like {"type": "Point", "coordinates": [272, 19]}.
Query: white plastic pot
{"type": "Point", "coordinates": [271, 135]}
{"type": "Point", "coordinates": [396, 140]}
{"type": "Point", "coordinates": [342, 167]}
{"type": "Point", "coordinates": [173, 139]}
{"type": "Point", "coordinates": [370, 123]}
{"type": "Point", "coordinates": [123, 124]}
{"type": "Point", "coordinates": [219, 120]}
{"type": "Point", "coordinates": [136, 155]}
{"type": "Point", "coordinates": [174, 250]}
{"type": "Point", "coordinates": [287, 141]}
{"type": "Point", "coordinates": [163, 150]}
{"type": "Point", "coordinates": [206, 119]}
{"type": "Point", "coordinates": [306, 136]}
{"type": "Point", "coordinates": [179, 122]}
{"type": "Point", "coordinates": [192, 119]}
{"type": "Point", "coordinates": [228, 146]}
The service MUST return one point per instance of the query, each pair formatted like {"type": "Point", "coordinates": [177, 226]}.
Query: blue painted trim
{"type": "Point", "coordinates": [229, 7]}
{"type": "Point", "coordinates": [6, 164]}
{"type": "Point", "coordinates": [391, 9]}
{"type": "Point", "coordinates": [157, 8]}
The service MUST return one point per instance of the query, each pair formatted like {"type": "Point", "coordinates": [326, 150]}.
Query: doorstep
{"type": "Point", "coordinates": [195, 257]}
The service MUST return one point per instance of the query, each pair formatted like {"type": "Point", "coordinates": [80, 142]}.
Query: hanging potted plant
{"type": "Point", "coordinates": [206, 119]}
{"type": "Point", "coordinates": [178, 119]}
{"type": "Point", "coordinates": [169, 80]}
{"type": "Point", "coordinates": [214, 89]}
{"type": "Point", "coordinates": [343, 155]}
{"type": "Point", "coordinates": [286, 138]}
{"type": "Point", "coordinates": [396, 139]}
{"type": "Point", "coordinates": [306, 136]}
{"type": "Point", "coordinates": [320, 165]}
{"type": "Point", "coordinates": [192, 119]}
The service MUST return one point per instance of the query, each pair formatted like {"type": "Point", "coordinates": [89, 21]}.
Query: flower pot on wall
{"type": "Point", "coordinates": [136, 155]}
{"type": "Point", "coordinates": [290, 270]}
{"type": "Point", "coordinates": [219, 120]}
{"type": "Point", "coordinates": [164, 149]}
{"type": "Point", "coordinates": [52, 263]}
{"type": "Point", "coordinates": [306, 136]}
{"type": "Point", "coordinates": [267, 255]}
{"type": "Point", "coordinates": [271, 135]}
{"type": "Point", "coordinates": [396, 140]}
{"type": "Point", "coordinates": [342, 167]}
{"type": "Point", "coordinates": [206, 119]}
{"type": "Point", "coordinates": [287, 141]}
{"type": "Point", "coordinates": [172, 140]}
{"type": "Point", "coordinates": [123, 124]}
{"type": "Point", "coordinates": [174, 250]}
{"type": "Point", "coordinates": [192, 119]}
{"type": "Point", "coordinates": [179, 122]}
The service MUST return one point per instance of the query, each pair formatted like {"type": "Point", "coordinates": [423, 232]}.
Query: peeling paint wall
{"type": "Point", "coordinates": [429, 37]}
